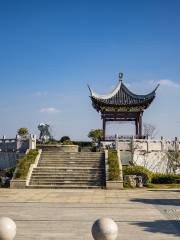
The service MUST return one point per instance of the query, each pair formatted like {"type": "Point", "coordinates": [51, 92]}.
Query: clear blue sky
{"type": "Point", "coordinates": [50, 50]}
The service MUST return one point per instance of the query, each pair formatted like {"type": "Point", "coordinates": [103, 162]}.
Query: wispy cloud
{"type": "Point", "coordinates": [49, 110]}
{"type": "Point", "coordinates": [169, 83]}
{"type": "Point", "coordinates": [166, 83]}
{"type": "Point", "coordinates": [41, 93]}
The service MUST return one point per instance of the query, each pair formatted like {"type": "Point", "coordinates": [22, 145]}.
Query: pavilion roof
{"type": "Point", "coordinates": [122, 96]}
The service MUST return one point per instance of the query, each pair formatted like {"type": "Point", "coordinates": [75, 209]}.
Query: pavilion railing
{"type": "Point", "coordinates": [113, 137]}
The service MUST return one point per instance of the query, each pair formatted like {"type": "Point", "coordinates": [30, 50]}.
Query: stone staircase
{"type": "Point", "coordinates": [57, 169]}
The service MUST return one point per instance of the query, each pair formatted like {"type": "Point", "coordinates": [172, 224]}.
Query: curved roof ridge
{"type": "Point", "coordinates": [133, 95]}
{"type": "Point", "coordinates": [107, 96]}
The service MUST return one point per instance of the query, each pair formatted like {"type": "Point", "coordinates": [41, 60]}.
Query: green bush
{"type": "Point", "coordinates": [160, 178]}
{"type": "Point", "coordinates": [67, 142]}
{"type": "Point", "coordinates": [114, 173]}
{"type": "Point", "coordinates": [139, 171]}
{"type": "Point", "coordinates": [25, 163]}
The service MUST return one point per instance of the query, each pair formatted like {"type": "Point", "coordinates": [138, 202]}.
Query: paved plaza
{"type": "Point", "coordinates": [69, 214]}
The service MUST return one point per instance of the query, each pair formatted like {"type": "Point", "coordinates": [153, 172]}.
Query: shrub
{"type": "Point", "coordinates": [95, 135]}
{"type": "Point", "coordinates": [25, 163]}
{"type": "Point", "coordinates": [82, 143]}
{"type": "Point", "coordinates": [139, 171]}
{"type": "Point", "coordinates": [114, 172]}
{"type": "Point", "coordinates": [22, 131]}
{"type": "Point", "coordinates": [67, 142]}
{"type": "Point", "coordinates": [160, 178]}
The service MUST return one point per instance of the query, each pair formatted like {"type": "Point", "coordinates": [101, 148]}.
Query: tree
{"type": "Point", "coordinates": [23, 132]}
{"type": "Point", "coordinates": [65, 138]}
{"type": "Point", "coordinates": [95, 135]}
{"type": "Point", "coordinates": [173, 158]}
{"type": "Point", "coordinates": [149, 130]}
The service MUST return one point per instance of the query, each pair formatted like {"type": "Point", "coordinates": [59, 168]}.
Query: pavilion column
{"type": "Point", "coordinates": [104, 128]}
{"type": "Point", "coordinates": [140, 124]}
{"type": "Point", "coordinates": [137, 126]}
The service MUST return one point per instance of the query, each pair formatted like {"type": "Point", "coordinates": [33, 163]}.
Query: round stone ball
{"type": "Point", "coordinates": [7, 228]}
{"type": "Point", "coordinates": [104, 229]}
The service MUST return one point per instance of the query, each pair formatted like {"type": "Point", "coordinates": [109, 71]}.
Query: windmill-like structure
{"type": "Point", "coordinates": [122, 105]}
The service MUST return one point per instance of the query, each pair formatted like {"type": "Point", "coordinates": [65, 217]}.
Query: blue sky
{"type": "Point", "coordinates": [50, 50]}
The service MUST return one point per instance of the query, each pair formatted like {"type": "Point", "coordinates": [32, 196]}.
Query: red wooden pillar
{"type": "Point", "coordinates": [104, 129]}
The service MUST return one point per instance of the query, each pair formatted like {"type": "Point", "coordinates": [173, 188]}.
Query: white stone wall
{"type": "Point", "coordinates": [149, 153]}
{"type": "Point", "coordinates": [155, 161]}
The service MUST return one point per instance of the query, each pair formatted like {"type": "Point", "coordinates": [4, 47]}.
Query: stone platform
{"type": "Point", "coordinates": [69, 214]}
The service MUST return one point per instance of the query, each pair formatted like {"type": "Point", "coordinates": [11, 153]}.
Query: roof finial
{"type": "Point", "coordinates": [120, 76]}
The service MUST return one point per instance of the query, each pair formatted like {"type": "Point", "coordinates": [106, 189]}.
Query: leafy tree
{"type": "Point", "coordinates": [23, 131]}
{"type": "Point", "coordinates": [65, 138]}
{"type": "Point", "coordinates": [95, 135]}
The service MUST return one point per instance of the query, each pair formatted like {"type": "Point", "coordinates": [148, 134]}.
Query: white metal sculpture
{"type": "Point", "coordinates": [45, 134]}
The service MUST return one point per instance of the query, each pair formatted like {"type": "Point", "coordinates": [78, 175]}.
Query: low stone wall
{"type": "Point", "coordinates": [18, 184]}
{"type": "Point", "coordinates": [149, 153]}
{"type": "Point", "coordinates": [63, 148]}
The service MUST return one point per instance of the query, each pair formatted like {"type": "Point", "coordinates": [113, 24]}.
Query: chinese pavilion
{"type": "Point", "coordinates": [122, 105]}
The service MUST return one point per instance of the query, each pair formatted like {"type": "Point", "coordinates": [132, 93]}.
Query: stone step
{"type": "Point", "coordinates": [72, 186]}
{"type": "Point", "coordinates": [72, 158]}
{"type": "Point", "coordinates": [80, 155]}
{"type": "Point", "coordinates": [69, 170]}
{"type": "Point", "coordinates": [52, 176]}
{"type": "Point", "coordinates": [74, 153]}
{"type": "Point", "coordinates": [94, 174]}
{"type": "Point", "coordinates": [59, 158]}
{"type": "Point", "coordinates": [89, 183]}
{"type": "Point", "coordinates": [69, 165]}
{"type": "Point", "coordinates": [72, 162]}
{"type": "Point", "coordinates": [68, 160]}
{"type": "Point", "coordinates": [67, 179]}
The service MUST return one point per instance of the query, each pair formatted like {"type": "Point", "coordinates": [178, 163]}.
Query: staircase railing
{"type": "Point", "coordinates": [34, 165]}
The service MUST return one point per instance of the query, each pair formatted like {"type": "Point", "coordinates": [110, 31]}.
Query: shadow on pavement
{"type": "Point", "coordinates": [165, 190]}
{"type": "Point", "coordinates": [161, 226]}
{"type": "Point", "coordinates": [169, 201]}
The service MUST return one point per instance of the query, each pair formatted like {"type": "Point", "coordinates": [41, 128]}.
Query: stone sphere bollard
{"type": "Point", "coordinates": [104, 229]}
{"type": "Point", "coordinates": [7, 228]}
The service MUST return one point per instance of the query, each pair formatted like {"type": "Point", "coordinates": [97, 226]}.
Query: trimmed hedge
{"type": "Point", "coordinates": [139, 171]}
{"type": "Point", "coordinates": [160, 178]}
{"type": "Point", "coordinates": [150, 177]}
{"type": "Point", "coordinates": [113, 165]}
{"type": "Point", "coordinates": [25, 163]}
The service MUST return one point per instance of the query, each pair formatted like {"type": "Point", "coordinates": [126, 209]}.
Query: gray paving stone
{"type": "Point", "coordinates": [69, 214]}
